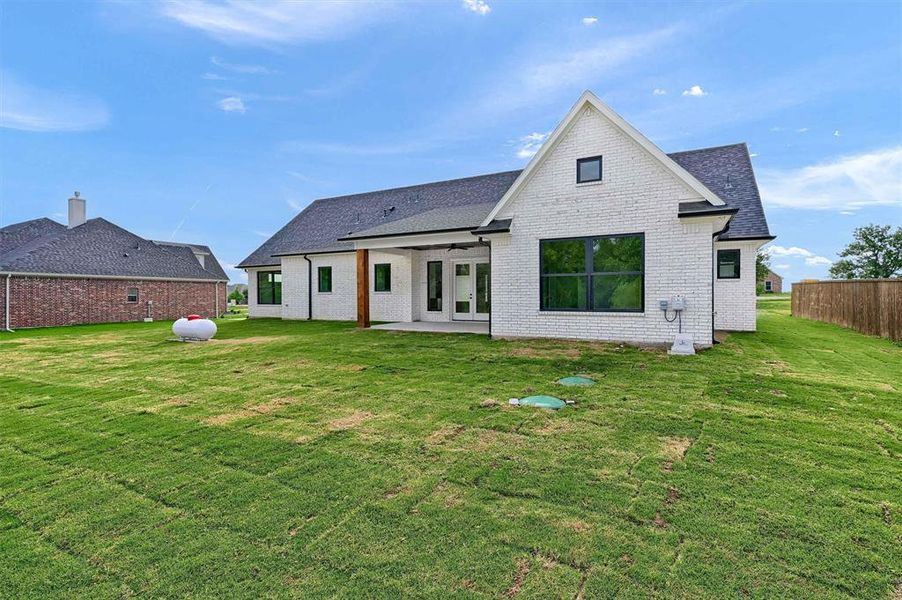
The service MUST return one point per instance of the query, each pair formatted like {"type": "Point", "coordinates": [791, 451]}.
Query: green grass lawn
{"type": "Point", "coordinates": [312, 459]}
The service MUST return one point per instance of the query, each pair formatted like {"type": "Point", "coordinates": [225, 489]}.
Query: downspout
{"type": "Point", "coordinates": [6, 298]}
{"type": "Point", "coordinates": [216, 293]}
{"type": "Point", "coordinates": [713, 271]}
{"type": "Point", "coordinates": [309, 288]}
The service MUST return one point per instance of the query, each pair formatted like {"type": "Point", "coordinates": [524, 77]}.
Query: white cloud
{"type": "Point", "coordinates": [29, 108]}
{"type": "Point", "coordinates": [528, 145]}
{"type": "Point", "coordinates": [659, 92]}
{"type": "Point", "coordinates": [811, 259]}
{"type": "Point", "coordinates": [238, 68]}
{"type": "Point", "coordinates": [847, 212]}
{"type": "Point", "coordinates": [695, 90]}
{"type": "Point", "coordinates": [232, 104]}
{"type": "Point", "coordinates": [783, 267]}
{"type": "Point", "coordinates": [776, 128]}
{"type": "Point", "coordinates": [551, 75]}
{"type": "Point", "coordinates": [235, 274]}
{"type": "Point", "coordinates": [262, 234]}
{"type": "Point", "coordinates": [589, 21]}
{"type": "Point", "coordinates": [836, 133]}
{"type": "Point", "coordinates": [293, 204]}
{"type": "Point", "coordinates": [480, 7]}
{"type": "Point", "coordinates": [271, 22]}
{"type": "Point", "coordinates": [753, 154]}
{"type": "Point", "coordinates": [846, 183]}
{"type": "Point", "coordinates": [801, 130]}
{"type": "Point", "coordinates": [214, 77]}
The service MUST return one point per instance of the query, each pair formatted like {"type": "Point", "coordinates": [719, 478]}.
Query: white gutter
{"type": "Point", "coordinates": [6, 298]}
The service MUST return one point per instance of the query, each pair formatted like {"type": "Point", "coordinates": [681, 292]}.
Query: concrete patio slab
{"type": "Point", "coordinates": [481, 327]}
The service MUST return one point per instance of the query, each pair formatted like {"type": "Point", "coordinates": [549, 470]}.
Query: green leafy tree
{"type": "Point", "coordinates": [876, 253]}
{"type": "Point", "coordinates": [238, 296]}
{"type": "Point", "coordinates": [762, 268]}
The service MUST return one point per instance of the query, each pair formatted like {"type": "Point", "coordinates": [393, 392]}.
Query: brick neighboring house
{"type": "Point", "coordinates": [773, 283]}
{"type": "Point", "coordinates": [599, 232]}
{"type": "Point", "coordinates": [93, 271]}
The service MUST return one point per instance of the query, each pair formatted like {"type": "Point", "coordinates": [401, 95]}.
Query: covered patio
{"type": "Point", "coordinates": [480, 327]}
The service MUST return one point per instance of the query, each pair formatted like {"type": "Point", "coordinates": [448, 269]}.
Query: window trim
{"type": "Point", "coordinates": [128, 295]}
{"type": "Point", "coordinates": [590, 274]}
{"type": "Point", "coordinates": [580, 161]}
{"type": "Point", "coordinates": [441, 286]}
{"type": "Point", "coordinates": [738, 252]}
{"type": "Point", "coordinates": [376, 290]}
{"type": "Point", "coordinates": [273, 303]}
{"type": "Point", "coordinates": [319, 279]}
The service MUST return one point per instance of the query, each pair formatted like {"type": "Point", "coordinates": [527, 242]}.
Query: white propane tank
{"type": "Point", "coordinates": [194, 328]}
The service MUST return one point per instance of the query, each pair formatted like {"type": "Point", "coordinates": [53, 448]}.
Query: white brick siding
{"type": "Point", "coordinates": [260, 310]}
{"type": "Point", "coordinates": [734, 299]}
{"type": "Point", "coordinates": [637, 195]}
{"type": "Point", "coordinates": [420, 258]}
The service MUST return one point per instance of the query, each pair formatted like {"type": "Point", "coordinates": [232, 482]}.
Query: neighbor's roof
{"type": "Point", "coordinates": [189, 250]}
{"type": "Point", "coordinates": [331, 225]}
{"type": "Point", "coordinates": [96, 248]}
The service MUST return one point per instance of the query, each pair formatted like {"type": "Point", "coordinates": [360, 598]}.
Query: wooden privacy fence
{"type": "Point", "coordinates": [871, 306]}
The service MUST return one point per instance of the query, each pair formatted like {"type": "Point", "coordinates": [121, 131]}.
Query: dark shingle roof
{"type": "Point", "coordinates": [727, 171]}
{"type": "Point", "coordinates": [329, 225]}
{"type": "Point", "coordinates": [189, 250]}
{"type": "Point", "coordinates": [101, 248]}
{"type": "Point", "coordinates": [319, 226]}
{"type": "Point", "coordinates": [18, 234]}
{"type": "Point", "coordinates": [445, 218]}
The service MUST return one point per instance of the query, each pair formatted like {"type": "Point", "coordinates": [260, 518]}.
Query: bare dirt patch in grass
{"type": "Point", "coordinates": [675, 449]}
{"type": "Point", "coordinates": [350, 421]}
{"type": "Point", "coordinates": [251, 411]}
{"type": "Point", "coordinates": [577, 526]}
{"type": "Point", "coordinates": [519, 578]}
{"type": "Point", "coordinates": [352, 368]}
{"type": "Point", "coordinates": [445, 433]}
{"type": "Point", "coordinates": [546, 353]}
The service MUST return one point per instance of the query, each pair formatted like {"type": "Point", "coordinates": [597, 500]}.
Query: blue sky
{"type": "Point", "coordinates": [215, 122]}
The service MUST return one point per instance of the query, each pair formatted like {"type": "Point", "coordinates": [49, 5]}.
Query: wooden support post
{"type": "Point", "coordinates": [363, 288]}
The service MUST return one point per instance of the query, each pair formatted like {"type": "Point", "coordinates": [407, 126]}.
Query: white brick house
{"type": "Point", "coordinates": [584, 243]}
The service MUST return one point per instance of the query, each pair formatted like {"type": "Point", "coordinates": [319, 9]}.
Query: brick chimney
{"type": "Point", "coordinates": [77, 211]}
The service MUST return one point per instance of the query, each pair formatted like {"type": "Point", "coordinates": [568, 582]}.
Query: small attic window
{"type": "Point", "coordinates": [588, 169]}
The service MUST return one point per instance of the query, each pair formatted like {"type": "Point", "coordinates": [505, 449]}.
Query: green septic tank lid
{"type": "Point", "coordinates": [576, 380]}
{"type": "Point", "coordinates": [542, 402]}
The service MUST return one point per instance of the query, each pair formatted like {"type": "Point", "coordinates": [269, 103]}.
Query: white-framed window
{"type": "Point", "coordinates": [131, 295]}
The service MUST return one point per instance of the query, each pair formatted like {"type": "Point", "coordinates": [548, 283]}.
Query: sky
{"type": "Point", "coordinates": [216, 122]}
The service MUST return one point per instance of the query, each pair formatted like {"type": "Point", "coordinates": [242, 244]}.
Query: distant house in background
{"type": "Point", "coordinates": [773, 283]}
{"type": "Point", "coordinates": [93, 271]}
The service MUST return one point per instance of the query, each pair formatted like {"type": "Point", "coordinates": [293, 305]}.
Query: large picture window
{"type": "Point", "coordinates": [269, 287]}
{"type": "Point", "coordinates": [382, 279]}
{"type": "Point", "coordinates": [434, 286]}
{"type": "Point", "coordinates": [728, 264]}
{"type": "Point", "coordinates": [603, 274]}
{"type": "Point", "coordinates": [324, 280]}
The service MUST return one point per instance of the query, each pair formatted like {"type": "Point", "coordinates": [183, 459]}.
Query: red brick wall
{"type": "Point", "coordinates": [776, 283]}
{"type": "Point", "coordinates": [51, 301]}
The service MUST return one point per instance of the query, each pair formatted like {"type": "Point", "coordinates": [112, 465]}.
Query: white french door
{"type": "Point", "coordinates": [472, 300]}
